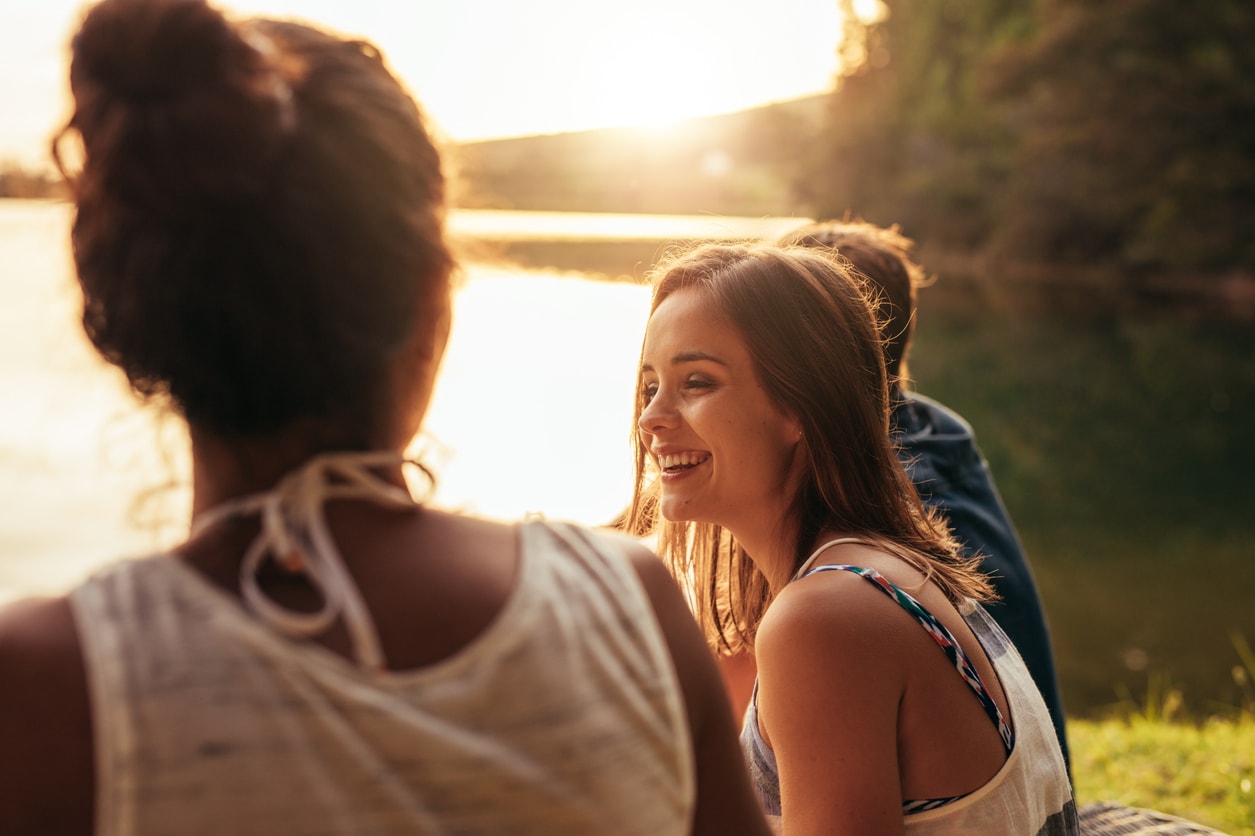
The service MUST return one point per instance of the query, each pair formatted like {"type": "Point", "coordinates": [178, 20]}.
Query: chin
{"type": "Point", "coordinates": [677, 511]}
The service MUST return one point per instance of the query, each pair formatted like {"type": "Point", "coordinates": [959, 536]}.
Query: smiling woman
{"type": "Point", "coordinates": [765, 468]}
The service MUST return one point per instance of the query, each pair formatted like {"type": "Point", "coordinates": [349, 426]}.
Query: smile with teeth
{"type": "Point", "coordinates": [676, 462]}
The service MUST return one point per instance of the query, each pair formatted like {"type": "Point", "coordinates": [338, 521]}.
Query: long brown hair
{"type": "Point", "coordinates": [811, 329]}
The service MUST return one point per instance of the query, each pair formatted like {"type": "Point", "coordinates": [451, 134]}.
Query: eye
{"type": "Point", "coordinates": [648, 390]}
{"type": "Point", "coordinates": [696, 383]}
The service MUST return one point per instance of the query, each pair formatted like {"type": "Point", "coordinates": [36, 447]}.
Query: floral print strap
{"type": "Point", "coordinates": [943, 637]}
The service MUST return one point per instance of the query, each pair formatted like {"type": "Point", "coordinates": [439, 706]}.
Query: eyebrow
{"type": "Point", "coordinates": [688, 357]}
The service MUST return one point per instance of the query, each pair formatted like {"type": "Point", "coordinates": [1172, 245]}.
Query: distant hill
{"type": "Point", "coordinates": [752, 162]}
{"type": "Point", "coordinates": [21, 182]}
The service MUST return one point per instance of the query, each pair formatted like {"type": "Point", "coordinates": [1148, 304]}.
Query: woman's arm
{"type": "Point", "coordinates": [725, 800]}
{"type": "Point", "coordinates": [830, 683]}
{"type": "Point", "coordinates": [738, 671]}
{"type": "Point", "coordinates": [46, 755]}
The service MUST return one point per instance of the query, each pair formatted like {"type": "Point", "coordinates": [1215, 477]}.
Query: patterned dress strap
{"type": "Point", "coordinates": [943, 637]}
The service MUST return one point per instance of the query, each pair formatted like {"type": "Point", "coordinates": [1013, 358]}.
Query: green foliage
{"type": "Point", "coordinates": [1138, 134]}
{"type": "Point", "coordinates": [1076, 144]}
{"type": "Point", "coordinates": [1203, 773]}
{"type": "Point", "coordinates": [911, 140]}
{"type": "Point", "coordinates": [1123, 401]}
{"type": "Point", "coordinates": [1121, 445]}
{"type": "Point", "coordinates": [1066, 132]}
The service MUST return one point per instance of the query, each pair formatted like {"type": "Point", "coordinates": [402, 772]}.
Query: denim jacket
{"type": "Point", "coordinates": [939, 450]}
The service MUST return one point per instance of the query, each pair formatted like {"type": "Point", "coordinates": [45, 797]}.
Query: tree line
{"type": "Point", "coordinates": [1117, 135]}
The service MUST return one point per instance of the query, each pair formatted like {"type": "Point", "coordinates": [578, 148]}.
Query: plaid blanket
{"type": "Point", "coordinates": [1107, 818]}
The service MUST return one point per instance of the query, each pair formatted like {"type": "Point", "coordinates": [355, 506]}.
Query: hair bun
{"type": "Point", "coordinates": [174, 84]}
{"type": "Point", "coordinates": [150, 50]}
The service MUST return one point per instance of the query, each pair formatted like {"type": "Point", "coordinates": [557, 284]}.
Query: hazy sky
{"type": "Point", "coordinates": [490, 68]}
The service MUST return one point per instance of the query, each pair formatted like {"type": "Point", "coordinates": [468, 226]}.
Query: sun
{"type": "Point", "coordinates": [669, 61]}
{"type": "Point", "coordinates": [552, 66]}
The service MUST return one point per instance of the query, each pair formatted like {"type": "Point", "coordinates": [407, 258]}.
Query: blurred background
{"type": "Point", "coordinates": [1079, 177]}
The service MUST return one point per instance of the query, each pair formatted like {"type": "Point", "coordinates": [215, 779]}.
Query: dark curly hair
{"type": "Point", "coordinates": [260, 216]}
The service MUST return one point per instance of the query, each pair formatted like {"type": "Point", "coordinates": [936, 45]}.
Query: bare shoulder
{"type": "Point", "coordinates": [45, 720]}
{"type": "Point", "coordinates": [688, 646]}
{"type": "Point", "coordinates": [37, 636]}
{"type": "Point", "coordinates": [826, 607]}
{"type": "Point", "coordinates": [468, 530]}
{"type": "Point", "coordinates": [837, 632]}
{"type": "Point", "coordinates": [41, 664]}
{"type": "Point", "coordinates": [657, 581]}
{"type": "Point", "coordinates": [843, 607]}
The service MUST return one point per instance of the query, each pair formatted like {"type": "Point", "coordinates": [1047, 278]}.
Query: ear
{"type": "Point", "coordinates": [799, 457]}
{"type": "Point", "coordinates": [797, 437]}
{"type": "Point", "coordinates": [795, 429]}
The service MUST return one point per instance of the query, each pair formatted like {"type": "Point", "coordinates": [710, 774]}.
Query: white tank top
{"type": "Point", "coordinates": [564, 716]}
{"type": "Point", "coordinates": [1029, 796]}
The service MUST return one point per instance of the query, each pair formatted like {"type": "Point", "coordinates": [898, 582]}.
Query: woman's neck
{"type": "Point", "coordinates": [225, 470]}
{"type": "Point", "coordinates": [773, 549]}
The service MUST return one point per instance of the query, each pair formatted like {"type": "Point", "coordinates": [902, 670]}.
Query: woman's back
{"type": "Point", "coordinates": [534, 678]}
{"type": "Point", "coordinates": [563, 715]}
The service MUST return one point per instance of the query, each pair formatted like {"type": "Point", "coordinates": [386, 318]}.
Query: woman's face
{"type": "Point", "coordinates": [725, 452]}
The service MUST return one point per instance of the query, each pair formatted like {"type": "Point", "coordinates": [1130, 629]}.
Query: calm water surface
{"type": "Point", "coordinates": [531, 415]}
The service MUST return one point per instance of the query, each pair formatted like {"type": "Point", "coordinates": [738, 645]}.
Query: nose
{"type": "Point", "coordinates": [657, 415]}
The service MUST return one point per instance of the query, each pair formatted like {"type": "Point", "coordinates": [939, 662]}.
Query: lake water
{"type": "Point", "coordinates": [531, 414]}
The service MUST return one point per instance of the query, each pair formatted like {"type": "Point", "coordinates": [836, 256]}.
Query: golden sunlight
{"type": "Point", "coordinates": [494, 68]}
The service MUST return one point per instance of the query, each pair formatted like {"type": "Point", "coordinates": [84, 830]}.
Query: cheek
{"type": "Point", "coordinates": [780, 445]}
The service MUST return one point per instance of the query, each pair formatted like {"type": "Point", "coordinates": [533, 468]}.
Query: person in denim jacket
{"type": "Point", "coordinates": [939, 449]}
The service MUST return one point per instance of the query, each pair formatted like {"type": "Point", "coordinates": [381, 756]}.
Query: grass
{"type": "Point", "coordinates": [1204, 772]}
{"type": "Point", "coordinates": [1151, 755]}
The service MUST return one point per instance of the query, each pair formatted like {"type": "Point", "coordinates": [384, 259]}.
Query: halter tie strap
{"type": "Point", "coordinates": [294, 533]}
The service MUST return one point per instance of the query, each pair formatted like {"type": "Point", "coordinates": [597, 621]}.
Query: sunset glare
{"type": "Point", "coordinates": [495, 68]}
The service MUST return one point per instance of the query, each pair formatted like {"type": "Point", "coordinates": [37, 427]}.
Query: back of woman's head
{"type": "Point", "coordinates": [882, 255]}
{"type": "Point", "coordinates": [259, 222]}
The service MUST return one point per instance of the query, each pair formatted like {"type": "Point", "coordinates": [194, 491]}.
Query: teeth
{"type": "Point", "coordinates": [687, 459]}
